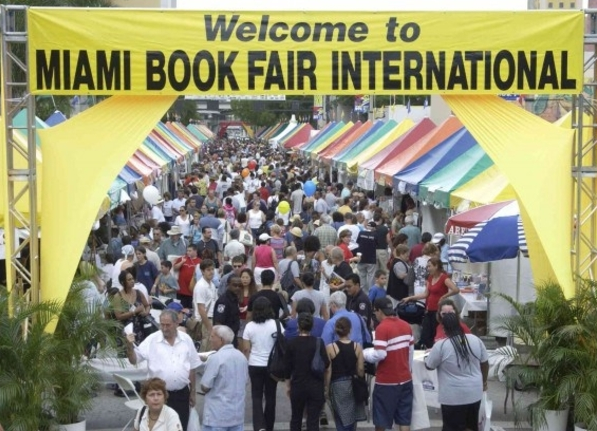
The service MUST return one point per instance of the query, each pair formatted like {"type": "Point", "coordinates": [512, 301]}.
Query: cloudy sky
{"type": "Point", "coordinates": [353, 5]}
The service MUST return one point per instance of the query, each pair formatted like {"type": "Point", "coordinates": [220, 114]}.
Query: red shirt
{"type": "Point", "coordinates": [185, 274]}
{"type": "Point", "coordinates": [436, 291]}
{"type": "Point", "coordinates": [347, 253]}
{"type": "Point", "coordinates": [264, 193]}
{"type": "Point", "coordinates": [440, 334]}
{"type": "Point", "coordinates": [416, 251]}
{"type": "Point", "coordinates": [395, 337]}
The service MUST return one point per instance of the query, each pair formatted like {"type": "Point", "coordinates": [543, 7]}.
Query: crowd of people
{"type": "Point", "coordinates": [258, 246]}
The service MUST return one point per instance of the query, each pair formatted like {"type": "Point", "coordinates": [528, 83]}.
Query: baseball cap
{"type": "Point", "coordinates": [384, 305]}
{"type": "Point", "coordinates": [264, 237]}
{"type": "Point", "coordinates": [437, 238]}
{"type": "Point", "coordinates": [176, 306]}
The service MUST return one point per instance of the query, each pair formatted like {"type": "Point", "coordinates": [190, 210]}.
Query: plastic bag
{"type": "Point", "coordinates": [485, 413]}
{"type": "Point", "coordinates": [193, 420]}
{"type": "Point", "coordinates": [420, 414]}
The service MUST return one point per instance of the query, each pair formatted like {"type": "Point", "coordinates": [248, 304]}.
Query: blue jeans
{"type": "Point", "coordinates": [240, 427]}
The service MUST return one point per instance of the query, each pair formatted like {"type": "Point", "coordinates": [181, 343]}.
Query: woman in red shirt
{"type": "Point", "coordinates": [439, 287]}
{"type": "Point", "coordinates": [343, 242]}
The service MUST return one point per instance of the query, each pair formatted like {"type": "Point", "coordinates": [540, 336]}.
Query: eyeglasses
{"type": "Point", "coordinates": [237, 266]}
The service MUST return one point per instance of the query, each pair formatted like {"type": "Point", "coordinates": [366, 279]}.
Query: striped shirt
{"type": "Point", "coordinates": [394, 336]}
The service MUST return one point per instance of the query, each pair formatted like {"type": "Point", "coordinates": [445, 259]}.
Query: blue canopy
{"type": "Point", "coordinates": [434, 160]}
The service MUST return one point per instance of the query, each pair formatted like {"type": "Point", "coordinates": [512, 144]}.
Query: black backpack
{"type": "Point", "coordinates": [287, 281]}
{"type": "Point", "coordinates": [276, 366]}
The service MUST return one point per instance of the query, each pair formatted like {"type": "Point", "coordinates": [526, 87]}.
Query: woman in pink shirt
{"type": "Point", "coordinates": [264, 257]}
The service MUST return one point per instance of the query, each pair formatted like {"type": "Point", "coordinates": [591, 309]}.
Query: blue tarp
{"type": "Point", "coordinates": [56, 118]}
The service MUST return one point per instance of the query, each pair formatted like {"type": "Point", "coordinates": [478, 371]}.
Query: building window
{"type": "Point", "coordinates": [572, 5]}
{"type": "Point", "coordinates": [550, 5]}
{"type": "Point", "coordinates": [561, 5]}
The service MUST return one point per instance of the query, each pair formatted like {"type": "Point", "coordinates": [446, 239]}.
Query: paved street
{"type": "Point", "coordinates": [110, 413]}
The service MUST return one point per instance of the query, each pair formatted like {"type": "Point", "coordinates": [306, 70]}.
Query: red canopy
{"type": "Point", "coordinates": [460, 223]}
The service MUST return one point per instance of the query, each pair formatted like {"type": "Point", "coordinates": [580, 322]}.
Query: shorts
{"type": "Point", "coordinates": [461, 417]}
{"type": "Point", "coordinates": [392, 404]}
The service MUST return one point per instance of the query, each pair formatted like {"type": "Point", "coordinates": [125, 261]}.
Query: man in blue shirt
{"type": "Point", "coordinates": [359, 330]}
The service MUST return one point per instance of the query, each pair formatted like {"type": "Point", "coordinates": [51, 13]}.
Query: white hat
{"type": "Point", "coordinates": [174, 230]}
{"type": "Point", "coordinates": [128, 250]}
{"type": "Point", "coordinates": [145, 240]}
{"type": "Point", "coordinates": [264, 237]}
{"type": "Point", "coordinates": [437, 238]}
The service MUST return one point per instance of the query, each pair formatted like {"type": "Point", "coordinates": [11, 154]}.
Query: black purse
{"type": "Point", "coordinates": [360, 389]}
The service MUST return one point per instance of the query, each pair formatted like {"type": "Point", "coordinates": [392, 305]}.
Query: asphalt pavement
{"type": "Point", "coordinates": [111, 414]}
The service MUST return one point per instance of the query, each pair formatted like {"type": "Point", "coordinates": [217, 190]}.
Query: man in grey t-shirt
{"type": "Point", "coordinates": [318, 298]}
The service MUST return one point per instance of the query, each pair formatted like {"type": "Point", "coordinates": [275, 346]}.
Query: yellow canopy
{"type": "Point", "coordinates": [82, 157]}
{"type": "Point", "coordinates": [489, 186]}
{"type": "Point", "coordinates": [535, 157]}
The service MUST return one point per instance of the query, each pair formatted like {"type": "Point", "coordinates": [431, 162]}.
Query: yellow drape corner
{"type": "Point", "coordinates": [82, 156]}
{"type": "Point", "coordinates": [535, 157]}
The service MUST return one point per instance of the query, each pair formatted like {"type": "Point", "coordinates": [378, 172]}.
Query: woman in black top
{"type": "Point", "coordinates": [303, 388]}
{"type": "Point", "coordinates": [347, 360]}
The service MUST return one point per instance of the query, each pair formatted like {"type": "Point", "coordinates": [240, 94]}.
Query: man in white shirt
{"type": "Point", "coordinates": [321, 205]}
{"type": "Point", "coordinates": [179, 201]}
{"type": "Point", "coordinates": [296, 197]}
{"type": "Point", "coordinates": [156, 212]}
{"type": "Point", "coordinates": [204, 299]}
{"type": "Point", "coordinates": [171, 356]}
{"type": "Point", "coordinates": [234, 247]}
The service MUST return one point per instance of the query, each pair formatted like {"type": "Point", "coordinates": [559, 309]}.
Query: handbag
{"type": "Point", "coordinates": [360, 389]}
{"type": "Point", "coordinates": [276, 367]}
{"type": "Point", "coordinates": [317, 364]}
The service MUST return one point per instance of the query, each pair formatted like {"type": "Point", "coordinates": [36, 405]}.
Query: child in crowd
{"type": "Point", "coordinates": [165, 283]}
{"type": "Point", "coordinates": [378, 290]}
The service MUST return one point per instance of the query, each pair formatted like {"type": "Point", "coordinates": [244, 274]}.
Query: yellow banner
{"type": "Point", "coordinates": [120, 51]}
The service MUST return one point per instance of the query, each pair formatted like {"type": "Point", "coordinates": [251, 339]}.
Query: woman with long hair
{"type": "Point", "coordinates": [347, 360]}
{"type": "Point", "coordinates": [248, 288]}
{"type": "Point", "coordinates": [258, 340]}
{"type": "Point", "coordinates": [277, 242]}
{"type": "Point", "coordinates": [462, 368]}
{"type": "Point", "coordinates": [184, 220]}
{"type": "Point", "coordinates": [439, 286]}
{"type": "Point", "coordinates": [129, 303]}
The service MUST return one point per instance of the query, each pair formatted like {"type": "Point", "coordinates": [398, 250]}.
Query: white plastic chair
{"type": "Point", "coordinates": [136, 402]}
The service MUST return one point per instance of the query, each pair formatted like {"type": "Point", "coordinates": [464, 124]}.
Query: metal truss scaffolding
{"type": "Point", "coordinates": [23, 268]}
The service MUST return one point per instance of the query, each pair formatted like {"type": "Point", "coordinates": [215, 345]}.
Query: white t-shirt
{"type": "Point", "coordinates": [206, 294]}
{"type": "Point", "coordinates": [177, 203]}
{"type": "Point", "coordinates": [157, 214]}
{"type": "Point", "coordinates": [184, 224]}
{"type": "Point", "coordinates": [262, 337]}
{"type": "Point", "coordinates": [255, 218]}
{"type": "Point", "coordinates": [167, 208]}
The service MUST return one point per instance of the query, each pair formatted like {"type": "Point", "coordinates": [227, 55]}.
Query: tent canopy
{"type": "Point", "coordinates": [385, 172]}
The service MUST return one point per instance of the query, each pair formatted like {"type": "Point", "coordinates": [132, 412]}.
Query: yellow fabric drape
{"type": "Point", "coordinates": [535, 157]}
{"type": "Point", "coordinates": [82, 156]}
{"type": "Point", "coordinates": [487, 187]}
